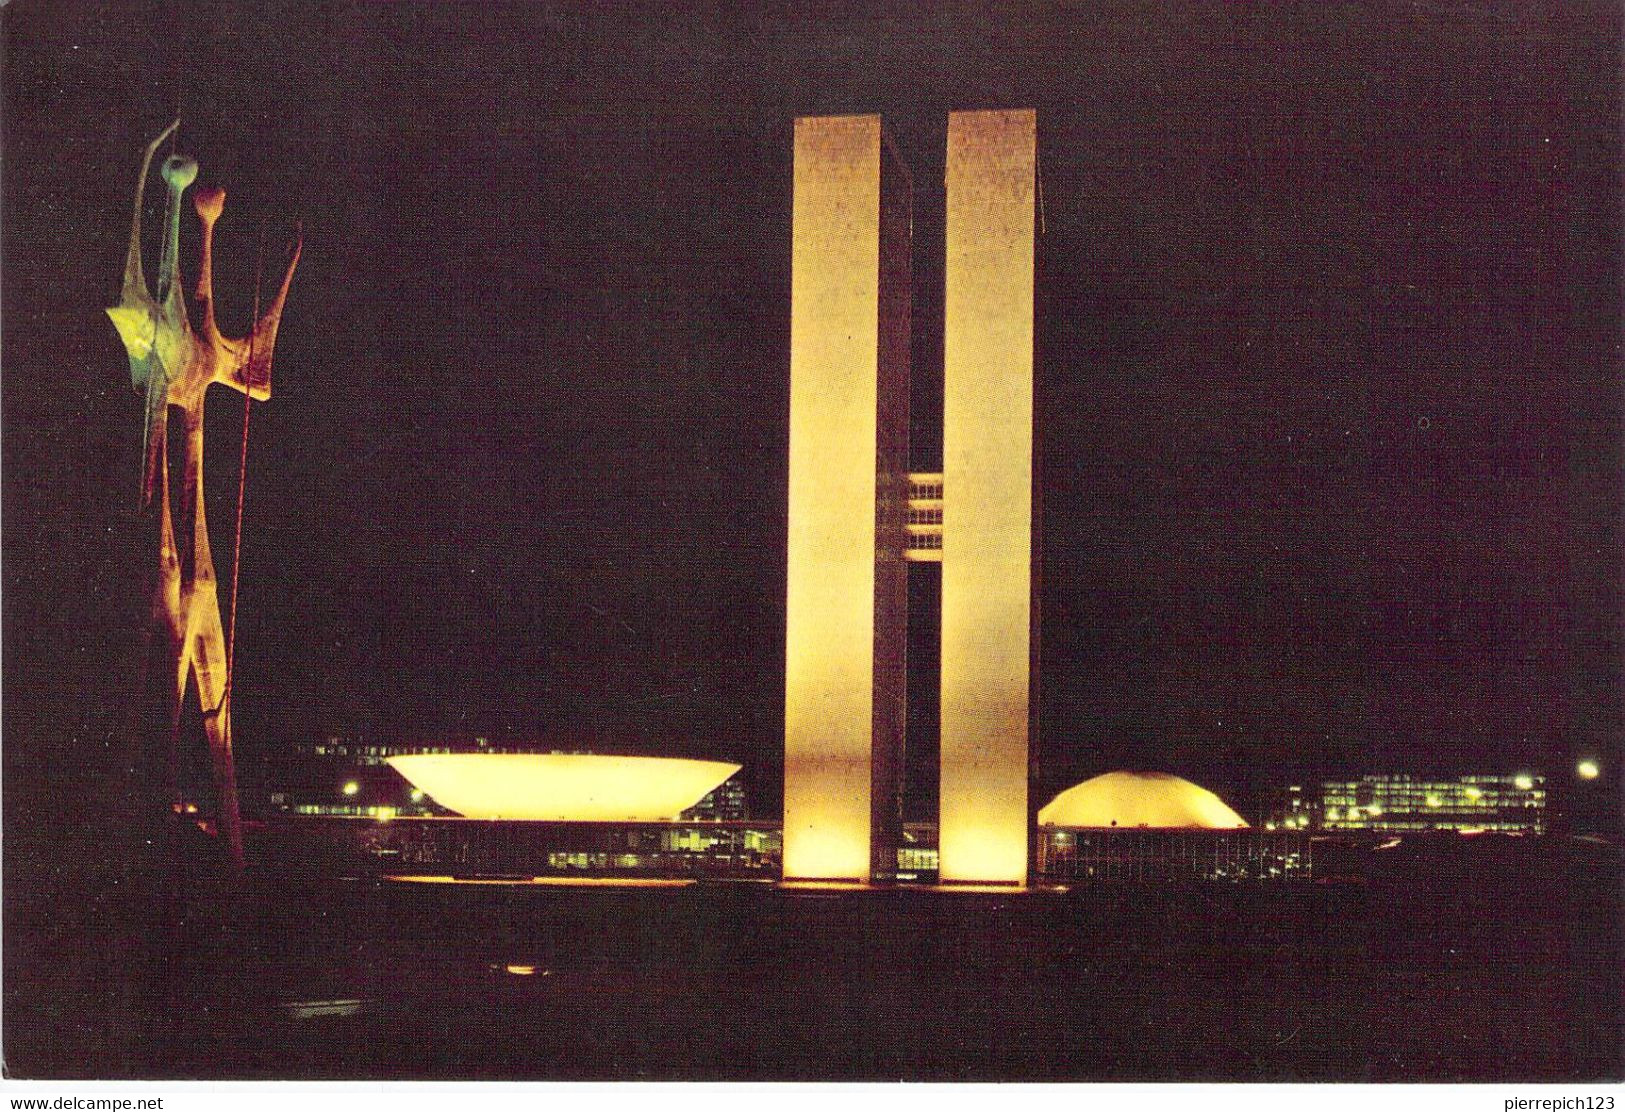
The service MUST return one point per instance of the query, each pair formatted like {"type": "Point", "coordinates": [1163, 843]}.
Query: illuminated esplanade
{"type": "Point", "coordinates": [856, 514]}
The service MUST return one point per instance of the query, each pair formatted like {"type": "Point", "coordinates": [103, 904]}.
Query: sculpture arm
{"type": "Point", "coordinates": [135, 280]}
{"type": "Point", "coordinates": [248, 367]}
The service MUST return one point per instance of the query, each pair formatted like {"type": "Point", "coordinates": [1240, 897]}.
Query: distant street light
{"type": "Point", "coordinates": [1588, 769]}
{"type": "Point", "coordinates": [350, 787]}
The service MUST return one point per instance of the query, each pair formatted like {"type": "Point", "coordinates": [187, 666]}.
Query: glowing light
{"type": "Point", "coordinates": [1434, 801]}
{"type": "Point", "coordinates": [988, 620]}
{"type": "Point", "coordinates": [1523, 781]}
{"type": "Point", "coordinates": [1333, 814]}
{"type": "Point", "coordinates": [827, 886]}
{"type": "Point", "coordinates": [845, 615]}
{"type": "Point", "coordinates": [562, 787]}
{"type": "Point", "coordinates": [1374, 811]}
{"type": "Point", "coordinates": [1135, 799]}
{"type": "Point", "coordinates": [1474, 792]}
{"type": "Point", "coordinates": [350, 787]}
{"type": "Point", "coordinates": [1588, 769]}
{"type": "Point", "coordinates": [984, 889]}
{"type": "Point", "coordinates": [520, 970]}
{"type": "Point", "coordinates": [417, 795]}
{"type": "Point", "coordinates": [543, 881]}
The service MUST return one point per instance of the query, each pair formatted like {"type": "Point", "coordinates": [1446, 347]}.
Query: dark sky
{"type": "Point", "coordinates": [1328, 325]}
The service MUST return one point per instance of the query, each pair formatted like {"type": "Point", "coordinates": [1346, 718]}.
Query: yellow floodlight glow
{"type": "Point", "coordinates": [829, 617]}
{"type": "Point", "coordinates": [562, 787]}
{"type": "Point", "coordinates": [1155, 800]}
{"type": "Point", "coordinates": [1435, 801]}
{"type": "Point", "coordinates": [1588, 769]}
{"type": "Point", "coordinates": [988, 618]}
{"type": "Point", "coordinates": [542, 881]}
{"type": "Point", "coordinates": [1474, 792]}
{"type": "Point", "coordinates": [350, 787]}
{"type": "Point", "coordinates": [1374, 811]}
{"type": "Point", "coordinates": [984, 889]}
{"type": "Point", "coordinates": [1523, 781]}
{"type": "Point", "coordinates": [826, 886]}
{"type": "Point", "coordinates": [846, 593]}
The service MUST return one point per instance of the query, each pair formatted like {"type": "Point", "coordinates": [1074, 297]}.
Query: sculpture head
{"type": "Point", "coordinates": [179, 171]}
{"type": "Point", "coordinates": [210, 202]}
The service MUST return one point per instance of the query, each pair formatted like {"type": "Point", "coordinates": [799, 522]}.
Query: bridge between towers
{"type": "Point", "coordinates": [923, 518]}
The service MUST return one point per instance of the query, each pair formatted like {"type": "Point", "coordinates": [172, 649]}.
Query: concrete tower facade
{"type": "Point", "coordinates": [856, 515]}
{"type": "Point", "coordinates": [989, 620]}
{"type": "Point", "coordinates": [846, 617]}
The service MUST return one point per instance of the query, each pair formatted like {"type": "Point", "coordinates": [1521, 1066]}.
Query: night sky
{"type": "Point", "coordinates": [1328, 346]}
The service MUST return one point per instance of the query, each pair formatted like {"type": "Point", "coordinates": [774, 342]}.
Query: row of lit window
{"type": "Point", "coordinates": [931, 541]}
{"type": "Point", "coordinates": [1522, 781]}
{"type": "Point", "coordinates": [1426, 792]}
{"type": "Point", "coordinates": [1443, 825]}
{"type": "Point", "coordinates": [922, 492]}
{"type": "Point", "coordinates": [931, 515]}
{"type": "Point", "coordinates": [630, 860]}
{"type": "Point", "coordinates": [375, 811]}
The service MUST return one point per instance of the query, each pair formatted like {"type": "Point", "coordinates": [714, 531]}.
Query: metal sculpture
{"type": "Point", "coordinates": [173, 366]}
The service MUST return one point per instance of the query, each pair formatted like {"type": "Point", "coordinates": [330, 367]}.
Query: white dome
{"type": "Point", "coordinates": [1155, 800]}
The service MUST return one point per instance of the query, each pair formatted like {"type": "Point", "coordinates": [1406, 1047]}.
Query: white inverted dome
{"type": "Point", "coordinates": [562, 787]}
{"type": "Point", "coordinates": [1155, 800]}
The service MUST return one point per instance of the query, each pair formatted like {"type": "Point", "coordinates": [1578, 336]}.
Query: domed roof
{"type": "Point", "coordinates": [1156, 800]}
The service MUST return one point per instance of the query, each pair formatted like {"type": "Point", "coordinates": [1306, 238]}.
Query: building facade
{"type": "Point", "coordinates": [1136, 856]}
{"type": "Point", "coordinates": [1399, 804]}
{"type": "Point", "coordinates": [857, 515]}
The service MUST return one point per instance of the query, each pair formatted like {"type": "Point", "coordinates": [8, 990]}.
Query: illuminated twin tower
{"type": "Point", "coordinates": [857, 515]}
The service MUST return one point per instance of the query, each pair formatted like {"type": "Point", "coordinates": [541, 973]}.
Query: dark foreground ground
{"type": "Point", "coordinates": [1439, 965]}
